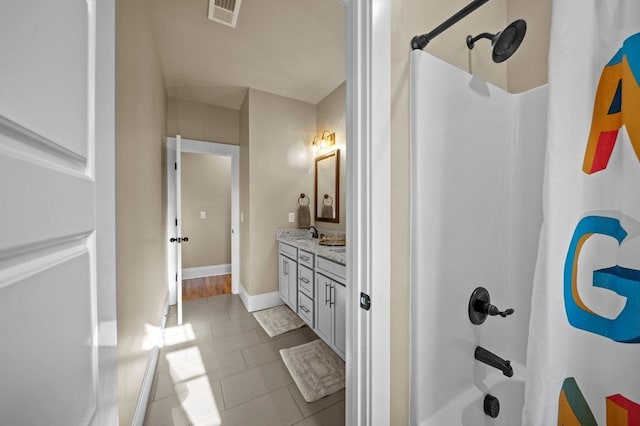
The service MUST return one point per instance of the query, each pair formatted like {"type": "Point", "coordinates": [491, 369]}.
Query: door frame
{"type": "Point", "coordinates": [223, 150]}
{"type": "Point", "coordinates": [368, 115]}
{"type": "Point", "coordinates": [105, 178]}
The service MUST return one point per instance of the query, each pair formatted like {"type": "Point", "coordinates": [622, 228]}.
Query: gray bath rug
{"type": "Point", "coordinates": [278, 320]}
{"type": "Point", "coordinates": [316, 369]}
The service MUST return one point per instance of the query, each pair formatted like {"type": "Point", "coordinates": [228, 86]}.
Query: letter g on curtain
{"type": "Point", "coordinates": [625, 328]}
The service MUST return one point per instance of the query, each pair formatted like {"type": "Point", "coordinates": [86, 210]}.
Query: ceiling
{"type": "Point", "coordinates": [292, 48]}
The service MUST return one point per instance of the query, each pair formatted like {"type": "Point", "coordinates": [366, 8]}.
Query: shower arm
{"type": "Point", "coordinates": [472, 40]}
{"type": "Point", "coordinates": [421, 41]}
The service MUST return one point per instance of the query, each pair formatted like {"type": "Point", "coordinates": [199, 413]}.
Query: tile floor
{"type": "Point", "coordinates": [221, 368]}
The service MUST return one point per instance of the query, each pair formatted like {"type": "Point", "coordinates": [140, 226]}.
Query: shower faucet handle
{"type": "Point", "coordinates": [480, 307]}
{"type": "Point", "coordinates": [493, 311]}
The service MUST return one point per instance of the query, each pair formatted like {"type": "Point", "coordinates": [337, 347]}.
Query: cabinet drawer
{"type": "Point", "coordinates": [305, 280]}
{"type": "Point", "coordinates": [331, 269]}
{"type": "Point", "coordinates": [305, 308]}
{"type": "Point", "coordinates": [305, 258]}
{"type": "Point", "coordinates": [289, 251]}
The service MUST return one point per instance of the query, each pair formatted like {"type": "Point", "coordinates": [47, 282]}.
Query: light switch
{"type": "Point", "coordinates": [292, 217]}
{"type": "Point", "coordinates": [203, 215]}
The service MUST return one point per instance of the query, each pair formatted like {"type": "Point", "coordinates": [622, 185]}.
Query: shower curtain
{"type": "Point", "coordinates": [583, 358]}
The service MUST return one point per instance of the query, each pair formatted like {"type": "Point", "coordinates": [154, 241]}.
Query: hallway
{"type": "Point", "coordinates": [221, 368]}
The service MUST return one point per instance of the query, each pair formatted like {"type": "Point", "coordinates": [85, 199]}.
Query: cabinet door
{"type": "Point", "coordinates": [324, 313]}
{"type": "Point", "coordinates": [283, 279]}
{"type": "Point", "coordinates": [292, 277]}
{"type": "Point", "coordinates": [340, 317]}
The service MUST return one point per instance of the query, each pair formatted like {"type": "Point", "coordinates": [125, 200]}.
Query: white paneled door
{"type": "Point", "coordinates": [57, 213]}
{"type": "Point", "coordinates": [174, 222]}
{"type": "Point", "coordinates": [179, 238]}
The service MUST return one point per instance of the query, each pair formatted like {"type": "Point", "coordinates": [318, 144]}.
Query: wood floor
{"type": "Point", "coordinates": [197, 288]}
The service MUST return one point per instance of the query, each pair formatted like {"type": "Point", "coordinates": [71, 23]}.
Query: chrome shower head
{"type": "Point", "coordinates": [504, 43]}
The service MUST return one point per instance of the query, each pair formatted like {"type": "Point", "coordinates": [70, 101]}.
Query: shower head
{"type": "Point", "coordinates": [504, 43]}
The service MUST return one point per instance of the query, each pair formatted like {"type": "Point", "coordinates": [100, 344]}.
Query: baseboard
{"type": "Point", "coordinates": [259, 301]}
{"type": "Point", "coordinates": [147, 380]}
{"type": "Point", "coordinates": [205, 271]}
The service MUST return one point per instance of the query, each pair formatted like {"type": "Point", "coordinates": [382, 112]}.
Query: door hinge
{"type": "Point", "coordinates": [176, 221]}
{"type": "Point", "coordinates": [175, 166]}
{"type": "Point", "coordinates": [365, 301]}
{"type": "Point", "coordinates": [176, 277]}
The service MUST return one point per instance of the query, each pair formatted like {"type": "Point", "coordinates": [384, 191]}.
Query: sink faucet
{"type": "Point", "coordinates": [489, 358]}
{"type": "Point", "coordinates": [314, 231]}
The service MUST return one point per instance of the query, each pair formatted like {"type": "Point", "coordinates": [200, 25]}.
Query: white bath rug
{"type": "Point", "coordinates": [278, 320]}
{"type": "Point", "coordinates": [316, 369]}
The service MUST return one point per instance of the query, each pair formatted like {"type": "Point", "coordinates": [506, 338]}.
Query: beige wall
{"type": "Point", "coordinates": [141, 246]}
{"type": "Point", "coordinates": [274, 134]}
{"type": "Point", "coordinates": [330, 115]}
{"type": "Point", "coordinates": [409, 18]}
{"type": "Point", "coordinates": [527, 68]}
{"type": "Point", "coordinates": [202, 122]}
{"type": "Point", "coordinates": [278, 168]}
{"type": "Point", "coordinates": [206, 186]}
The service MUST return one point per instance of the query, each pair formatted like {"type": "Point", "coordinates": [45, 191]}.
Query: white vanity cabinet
{"type": "Point", "coordinates": [288, 275]}
{"type": "Point", "coordinates": [314, 287]}
{"type": "Point", "coordinates": [330, 302]}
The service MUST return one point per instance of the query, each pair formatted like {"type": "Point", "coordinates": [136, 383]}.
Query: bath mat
{"type": "Point", "coordinates": [278, 320]}
{"type": "Point", "coordinates": [316, 369]}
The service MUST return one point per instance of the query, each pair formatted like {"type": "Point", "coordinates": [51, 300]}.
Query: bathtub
{"type": "Point", "coordinates": [467, 408]}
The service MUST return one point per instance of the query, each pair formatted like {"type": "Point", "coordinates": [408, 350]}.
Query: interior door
{"type": "Point", "coordinates": [57, 215]}
{"type": "Point", "coordinates": [172, 222]}
{"type": "Point", "coordinates": [178, 171]}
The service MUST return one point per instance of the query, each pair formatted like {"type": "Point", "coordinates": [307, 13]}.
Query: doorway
{"type": "Point", "coordinates": [206, 220]}
{"type": "Point", "coordinates": [174, 213]}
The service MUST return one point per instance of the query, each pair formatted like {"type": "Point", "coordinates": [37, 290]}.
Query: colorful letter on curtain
{"type": "Point", "coordinates": [583, 359]}
{"type": "Point", "coordinates": [619, 85]}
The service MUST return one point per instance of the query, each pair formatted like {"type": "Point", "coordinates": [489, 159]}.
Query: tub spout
{"type": "Point", "coordinates": [489, 358]}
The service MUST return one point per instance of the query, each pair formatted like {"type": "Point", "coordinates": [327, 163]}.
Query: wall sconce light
{"type": "Point", "coordinates": [320, 143]}
{"type": "Point", "coordinates": [315, 146]}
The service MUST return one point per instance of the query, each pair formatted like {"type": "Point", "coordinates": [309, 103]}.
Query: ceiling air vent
{"type": "Point", "coordinates": [224, 11]}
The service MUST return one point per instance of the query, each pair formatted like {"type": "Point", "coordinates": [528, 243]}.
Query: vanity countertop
{"type": "Point", "coordinates": [300, 239]}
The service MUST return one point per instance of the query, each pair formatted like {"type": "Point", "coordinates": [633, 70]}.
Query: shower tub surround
{"type": "Point", "coordinates": [477, 156]}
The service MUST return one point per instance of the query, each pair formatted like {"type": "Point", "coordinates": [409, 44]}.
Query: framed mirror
{"type": "Point", "coordinates": [327, 189]}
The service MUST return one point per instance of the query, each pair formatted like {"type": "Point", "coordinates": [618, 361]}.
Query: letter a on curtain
{"type": "Point", "coordinates": [583, 359]}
